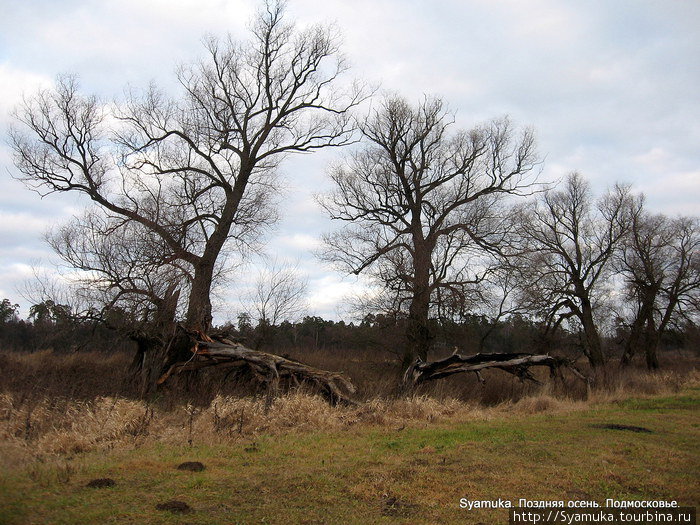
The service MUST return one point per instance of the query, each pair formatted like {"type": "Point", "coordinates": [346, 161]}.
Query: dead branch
{"type": "Point", "coordinates": [514, 363]}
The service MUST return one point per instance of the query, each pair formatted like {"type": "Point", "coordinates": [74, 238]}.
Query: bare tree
{"type": "Point", "coordinates": [194, 171]}
{"type": "Point", "coordinates": [279, 294]}
{"type": "Point", "coordinates": [194, 174]}
{"type": "Point", "coordinates": [424, 204]}
{"type": "Point", "coordinates": [660, 261]}
{"type": "Point", "coordinates": [569, 241]}
{"type": "Point", "coordinates": [500, 297]}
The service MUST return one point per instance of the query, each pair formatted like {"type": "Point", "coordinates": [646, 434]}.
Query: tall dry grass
{"type": "Point", "coordinates": [44, 428]}
{"type": "Point", "coordinates": [58, 406]}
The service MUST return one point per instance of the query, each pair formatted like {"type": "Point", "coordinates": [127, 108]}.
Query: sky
{"type": "Point", "coordinates": [611, 88]}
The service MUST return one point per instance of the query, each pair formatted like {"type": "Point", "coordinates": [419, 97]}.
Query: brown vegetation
{"type": "Point", "coordinates": [67, 404]}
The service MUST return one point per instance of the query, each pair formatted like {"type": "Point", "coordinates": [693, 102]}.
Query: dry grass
{"type": "Point", "coordinates": [358, 472]}
{"type": "Point", "coordinates": [615, 385]}
{"type": "Point", "coordinates": [67, 419]}
{"type": "Point", "coordinates": [61, 405]}
{"type": "Point", "coordinates": [88, 375]}
{"type": "Point", "coordinates": [37, 427]}
{"type": "Point", "coordinates": [83, 375]}
{"type": "Point", "coordinates": [62, 415]}
{"type": "Point", "coordinates": [46, 428]}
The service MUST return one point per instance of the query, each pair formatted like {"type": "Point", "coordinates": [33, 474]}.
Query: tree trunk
{"type": "Point", "coordinates": [637, 331]}
{"type": "Point", "coordinates": [651, 343]}
{"type": "Point", "coordinates": [653, 334]}
{"type": "Point", "coordinates": [594, 349]}
{"type": "Point", "coordinates": [199, 316]}
{"type": "Point", "coordinates": [144, 368]}
{"type": "Point", "coordinates": [633, 341]}
{"type": "Point", "coordinates": [155, 350]}
{"type": "Point", "coordinates": [418, 331]}
{"type": "Point", "coordinates": [631, 345]}
{"type": "Point", "coordinates": [650, 353]}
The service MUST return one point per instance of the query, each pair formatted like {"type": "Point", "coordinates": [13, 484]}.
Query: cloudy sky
{"type": "Point", "coordinates": [611, 87]}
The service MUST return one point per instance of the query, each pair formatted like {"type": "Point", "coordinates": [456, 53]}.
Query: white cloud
{"type": "Point", "coordinates": [16, 227]}
{"type": "Point", "coordinates": [13, 82]}
{"type": "Point", "coordinates": [609, 86]}
{"type": "Point", "coordinates": [300, 241]}
{"type": "Point", "coordinates": [655, 158]}
{"type": "Point", "coordinates": [675, 193]}
{"type": "Point", "coordinates": [328, 292]}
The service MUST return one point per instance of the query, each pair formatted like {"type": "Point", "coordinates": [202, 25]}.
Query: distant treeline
{"type": "Point", "coordinates": [50, 326]}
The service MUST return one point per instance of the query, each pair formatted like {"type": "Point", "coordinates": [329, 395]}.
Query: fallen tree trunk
{"type": "Point", "coordinates": [514, 363]}
{"type": "Point", "coordinates": [267, 368]}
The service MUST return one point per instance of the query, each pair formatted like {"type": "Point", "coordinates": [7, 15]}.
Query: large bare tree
{"type": "Point", "coordinates": [196, 170]}
{"type": "Point", "coordinates": [569, 240]}
{"type": "Point", "coordinates": [660, 262]}
{"type": "Point", "coordinates": [423, 204]}
{"type": "Point", "coordinates": [190, 176]}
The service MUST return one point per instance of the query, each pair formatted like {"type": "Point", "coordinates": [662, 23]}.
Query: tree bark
{"type": "Point", "coordinates": [594, 349]}
{"type": "Point", "coordinates": [653, 334]}
{"type": "Point", "coordinates": [633, 341]}
{"type": "Point", "coordinates": [641, 327]}
{"type": "Point", "coordinates": [199, 310]}
{"type": "Point", "coordinates": [417, 330]}
{"type": "Point", "coordinates": [155, 348]}
{"type": "Point", "coordinates": [651, 343]}
{"type": "Point", "coordinates": [650, 354]}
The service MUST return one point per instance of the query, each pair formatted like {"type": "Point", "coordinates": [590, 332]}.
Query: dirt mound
{"type": "Point", "coordinates": [193, 466]}
{"type": "Point", "coordinates": [174, 506]}
{"type": "Point", "coordinates": [100, 483]}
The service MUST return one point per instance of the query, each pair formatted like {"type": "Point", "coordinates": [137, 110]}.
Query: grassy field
{"type": "Point", "coordinates": [413, 473]}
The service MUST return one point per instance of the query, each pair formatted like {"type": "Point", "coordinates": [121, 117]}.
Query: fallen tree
{"type": "Point", "coordinates": [267, 368]}
{"type": "Point", "coordinates": [517, 364]}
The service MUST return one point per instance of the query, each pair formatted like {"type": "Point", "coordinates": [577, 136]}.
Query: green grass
{"type": "Point", "coordinates": [380, 475]}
